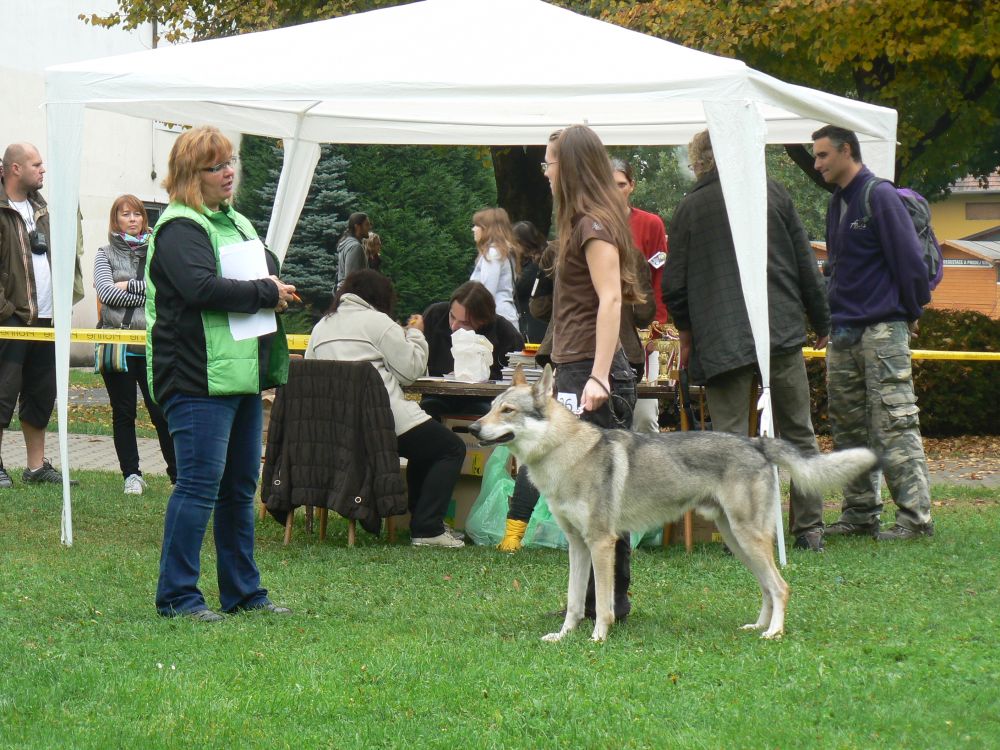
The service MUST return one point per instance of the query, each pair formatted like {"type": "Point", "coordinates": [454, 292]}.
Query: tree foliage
{"type": "Point", "coordinates": [937, 63]}
{"type": "Point", "coordinates": [192, 20]}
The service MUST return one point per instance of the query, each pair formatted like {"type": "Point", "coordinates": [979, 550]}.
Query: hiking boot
{"type": "Point", "coordinates": [845, 528]}
{"type": "Point", "coordinates": [5, 481]}
{"type": "Point", "coordinates": [902, 532]}
{"type": "Point", "coordinates": [444, 539]}
{"type": "Point", "coordinates": [44, 474]}
{"type": "Point", "coordinates": [205, 615]}
{"type": "Point", "coordinates": [811, 540]}
{"type": "Point", "coordinates": [134, 484]}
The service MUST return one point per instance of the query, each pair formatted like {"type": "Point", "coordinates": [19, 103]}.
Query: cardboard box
{"type": "Point", "coordinates": [462, 500]}
{"type": "Point", "coordinates": [475, 455]}
{"type": "Point", "coordinates": [703, 530]}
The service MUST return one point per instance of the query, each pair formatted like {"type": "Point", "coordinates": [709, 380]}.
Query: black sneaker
{"type": "Point", "coordinates": [205, 615]}
{"type": "Point", "coordinates": [844, 528]}
{"type": "Point", "coordinates": [5, 481]}
{"type": "Point", "coordinates": [896, 531]}
{"type": "Point", "coordinates": [811, 540]}
{"type": "Point", "coordinates": [44, 474]}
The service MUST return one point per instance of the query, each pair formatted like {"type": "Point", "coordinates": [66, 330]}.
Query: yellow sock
{"type": "Point", "coordinates": [511, 541]}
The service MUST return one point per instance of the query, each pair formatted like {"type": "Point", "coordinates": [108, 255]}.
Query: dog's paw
{"type": "Point", "coordinates": [599, 637]}
{"type": "Point", "coordinates": [773, 634]}
{"type": "Point", "coordinates": [751, 626]}
{"type": "Point", "coordinates": [553, 637]}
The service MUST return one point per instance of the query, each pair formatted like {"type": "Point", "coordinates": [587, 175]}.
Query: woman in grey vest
{"type": "Point", "coordinates": [119, 268]}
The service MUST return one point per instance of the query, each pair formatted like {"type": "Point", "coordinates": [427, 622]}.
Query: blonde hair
{"type": "Point", "coordinates": [700, 154]}
{"type": "Point", "coordinates": [132, 202]}
{"type": "Point", "coordinates": [192, 152]}
{"type": "Point", "coordinates": [585, 184]}
{"type": "Point", "coordinates": [496, 232]}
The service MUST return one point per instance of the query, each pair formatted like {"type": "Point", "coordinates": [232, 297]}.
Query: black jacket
{"type": "Point", "coordinates": [331, 443]}
{"type": "Point", "coordinates": [701, 281]}
{"type": "Point", "coordinates": [502, 334]}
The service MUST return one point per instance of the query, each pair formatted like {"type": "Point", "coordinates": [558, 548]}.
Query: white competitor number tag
{"type": "Point", "coordinates": [656, 260]}
{"type": "Point", "coordinates": [570, 401]}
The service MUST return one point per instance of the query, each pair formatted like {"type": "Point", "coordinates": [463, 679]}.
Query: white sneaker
{"type": "Point", "coordinates": [444, 539]}
{"type": "Point", "coordinates": [134, 484]}
{"type": "Point", "coordinates": [459, 535]}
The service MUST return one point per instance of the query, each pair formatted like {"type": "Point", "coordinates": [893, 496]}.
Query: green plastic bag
{"type": "Point", "coordinates": [487, 519]}
{"type": "Point", "coordinates": [651, 538]}
{"type": "Point", "coordinates": [543, 531]}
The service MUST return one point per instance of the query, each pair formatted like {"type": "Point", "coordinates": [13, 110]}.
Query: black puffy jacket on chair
{"type": "Point", "coordinates": [331, 443]}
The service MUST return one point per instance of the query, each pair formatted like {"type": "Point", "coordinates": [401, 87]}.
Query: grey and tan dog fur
{"type": "Point", "coordinates": [601, 483]}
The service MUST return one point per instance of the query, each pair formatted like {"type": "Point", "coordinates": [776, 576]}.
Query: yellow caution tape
{"type": "Point", "coordinates": [299, 342]}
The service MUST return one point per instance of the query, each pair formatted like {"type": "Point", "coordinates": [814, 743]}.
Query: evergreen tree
{"type": "Point", "coordinates": [311, 261]}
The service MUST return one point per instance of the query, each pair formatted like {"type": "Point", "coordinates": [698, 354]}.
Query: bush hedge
{"type": "Point", "coordinates": [955, 397]}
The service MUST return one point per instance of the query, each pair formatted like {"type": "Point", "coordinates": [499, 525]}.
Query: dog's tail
{"type": "Point", "coordinates": [821, 472]}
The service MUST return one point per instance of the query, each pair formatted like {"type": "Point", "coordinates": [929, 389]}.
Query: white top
{"type": "Point", "coordinates": [357, 332]}
{"type": "Point", "coordinates": [497, 274]}
{"type": "Point", "coordinates": [40, 262]}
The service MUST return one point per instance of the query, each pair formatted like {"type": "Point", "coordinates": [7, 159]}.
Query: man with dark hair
{"type": "Point", "coordinates": [27, 368]}
{"type": "Point", "coordinates": [702, 288]}
{"type": "Point", "coordinates": [471, 308]}
{"type": "Point", "coordinates": [350, 252]}
{"type": "Point", "coordinates": [877, 288]}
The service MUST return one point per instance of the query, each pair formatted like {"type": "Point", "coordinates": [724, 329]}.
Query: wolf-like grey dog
{"type": "Point", "coordinates": [601, 483]}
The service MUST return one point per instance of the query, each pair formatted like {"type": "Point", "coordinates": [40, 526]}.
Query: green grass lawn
{"type": "Point", "coordinates": [887, 645]}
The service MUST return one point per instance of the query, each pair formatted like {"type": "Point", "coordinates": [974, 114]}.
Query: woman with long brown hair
{"type": "Point", "coordinates": [594, 274]}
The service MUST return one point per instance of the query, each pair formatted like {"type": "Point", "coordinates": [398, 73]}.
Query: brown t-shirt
{"type": "Point", "coordinates": [574, 301]}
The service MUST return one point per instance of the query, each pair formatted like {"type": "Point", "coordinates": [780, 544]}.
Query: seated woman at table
{"type": "Point", "coordinates": [471, 308]}
{"type": "Point", "coordinates": [359, 327]}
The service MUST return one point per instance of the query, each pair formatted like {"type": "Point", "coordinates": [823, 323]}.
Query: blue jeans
{"type": "Point", "coordinates": [217, 442]}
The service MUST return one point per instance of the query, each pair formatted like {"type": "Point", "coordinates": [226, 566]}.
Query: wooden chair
{"type": "Point", "coordinates": [340, 406]}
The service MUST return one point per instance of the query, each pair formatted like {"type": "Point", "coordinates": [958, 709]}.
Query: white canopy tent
{"type": "Point", "coordinates": [480, 72]}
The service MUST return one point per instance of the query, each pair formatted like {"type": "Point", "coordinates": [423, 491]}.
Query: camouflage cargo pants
{"type": "Point", "coordinates": [872, 403]}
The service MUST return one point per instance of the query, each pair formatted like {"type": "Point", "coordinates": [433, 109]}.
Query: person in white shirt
{"type": "Point", "coordinates": [498, 261]}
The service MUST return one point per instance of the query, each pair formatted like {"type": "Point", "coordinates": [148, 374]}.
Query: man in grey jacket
{"type": "Point", "coordinates": [701, 286]}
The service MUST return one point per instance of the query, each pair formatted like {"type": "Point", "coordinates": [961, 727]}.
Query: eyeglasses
{"type": "Point", "coordinates": [546, 164]}
{"type": "Point", "coordinates": [221, 165]}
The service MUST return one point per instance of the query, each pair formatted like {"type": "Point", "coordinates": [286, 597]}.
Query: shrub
{"type": "Point", "coordinates": [956, 397]}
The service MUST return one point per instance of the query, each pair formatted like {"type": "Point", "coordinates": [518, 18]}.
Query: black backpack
{"type": "Point", "coordinates": [920, 213]}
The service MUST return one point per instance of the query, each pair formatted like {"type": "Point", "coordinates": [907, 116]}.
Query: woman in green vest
{"type": "Point", "coordinates": [206, 366]}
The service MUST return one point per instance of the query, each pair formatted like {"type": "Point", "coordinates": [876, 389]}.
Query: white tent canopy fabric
{"type": "Point", "coordinates": [434, 81]}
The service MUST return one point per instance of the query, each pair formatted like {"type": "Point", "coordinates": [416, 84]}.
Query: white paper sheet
{"type": "Point", "coordinates": [245, 261]}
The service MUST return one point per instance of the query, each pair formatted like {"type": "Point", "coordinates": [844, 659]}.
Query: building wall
{"type": "Point", "coordinates": [968, 283]}
{"type": "Point", "coordinates": [948, 217]}
{"type": "Point", "coordinates": [120, 154]}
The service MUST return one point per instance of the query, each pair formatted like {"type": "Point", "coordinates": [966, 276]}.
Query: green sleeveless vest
{"type": "Point", "coordinates": [233, 366]}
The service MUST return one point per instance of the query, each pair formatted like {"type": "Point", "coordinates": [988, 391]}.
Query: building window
{"type": "Point", "coordinates": [982, 211]}
{"type": "Point", "coordinates": [153, 210]}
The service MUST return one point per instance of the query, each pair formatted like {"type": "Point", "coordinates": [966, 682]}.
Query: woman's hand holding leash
{"type": "Point", "coordinates": [595, 393]}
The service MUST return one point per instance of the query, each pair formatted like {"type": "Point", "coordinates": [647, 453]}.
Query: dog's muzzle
{"type": "Point", "coordinates": [476, 429]}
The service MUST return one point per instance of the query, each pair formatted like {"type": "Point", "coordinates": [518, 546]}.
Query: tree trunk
{"type": "Point", "coordinates": [801, 156]}
{"type": "Point", "coordinates": [522, 189]}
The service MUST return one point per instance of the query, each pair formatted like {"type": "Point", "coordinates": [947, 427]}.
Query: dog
{"type": "Point", "coordinates": [600, 483]}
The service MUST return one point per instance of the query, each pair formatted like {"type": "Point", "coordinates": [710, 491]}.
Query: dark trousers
{"type": "Point", "coordinates": [434, 456]}
{"type": "Point", "coordinates": [615, 413]}
{"type": "Point", "coordinates": [122, 394]}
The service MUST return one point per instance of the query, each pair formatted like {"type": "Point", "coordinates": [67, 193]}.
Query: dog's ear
{"type": "Point", "coordinates": [518, 378]}
{"type": "Point", "coordinates": [542, 390]}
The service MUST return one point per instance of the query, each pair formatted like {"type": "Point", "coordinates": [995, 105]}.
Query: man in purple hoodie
{"type": "Point", "coordinates": [878, 287]}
